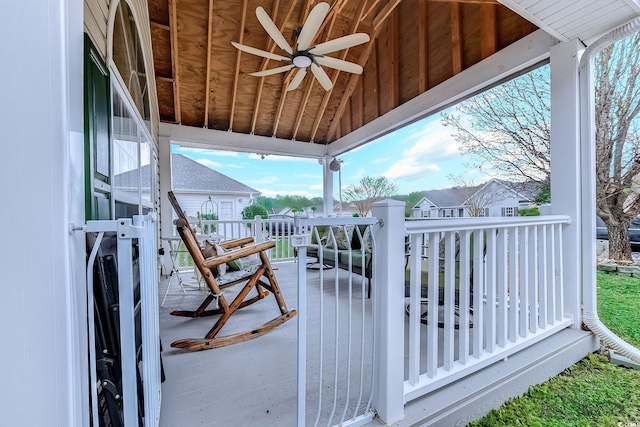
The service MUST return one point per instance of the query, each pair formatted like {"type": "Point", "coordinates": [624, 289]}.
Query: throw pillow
{"type": "Point", "coordinates": [222, 268]}
{"type": "Point", "coordinates": [212, 249]}
{"type": "Point", "coordinates": [366, 240]}
{"type": "Point", "coordinates": [342, 235]}
{"type": "Point", "coordinates": [235, 265]}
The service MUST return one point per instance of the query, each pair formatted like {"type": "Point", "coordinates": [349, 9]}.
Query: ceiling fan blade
{"type": "Point", "coordinates": [259, 52]}
{"type": "Point", "coordinates": [340, 43]}
{"type": "Point", "coordinates": [272, 30]}
{"type": "Point", "coordinates": [272, 71]}
{"type": "Point", "coordinates": [321, 76]}
{"type": "Point", "coordinates": [339, 64]}
{"type": "Point", "coordinates": [297, 79]}
{"type": "Point", "coordinates": [312, 24]}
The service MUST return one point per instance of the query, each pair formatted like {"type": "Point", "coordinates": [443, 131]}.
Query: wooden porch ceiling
{"type": "Point", "coordinates": [203, 81]}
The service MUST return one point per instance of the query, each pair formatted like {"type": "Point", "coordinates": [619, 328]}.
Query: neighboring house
{"type": "Point", "coordinates": [348, 208]}
{"type": "Point", "coordinates": [195, 184]}
{"type": "Point", "coordinates": [495, 198]}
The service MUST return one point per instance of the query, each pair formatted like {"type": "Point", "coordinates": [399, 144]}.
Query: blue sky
{"type": "Point", "coordinates": [418, 157]}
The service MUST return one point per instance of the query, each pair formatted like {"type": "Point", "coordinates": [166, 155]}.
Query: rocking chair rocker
{"type": "Point", "coordinates": [251, 273]}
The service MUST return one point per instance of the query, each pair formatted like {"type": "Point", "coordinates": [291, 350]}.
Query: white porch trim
{"type": "Point", "coordinates": [518, 56]}
{"type": "Point", "coordinates": [232, 141]}
{"type": "Point", "coordinates": [42, 176]}
{"type": "Point", "coordinates": [566, 173]}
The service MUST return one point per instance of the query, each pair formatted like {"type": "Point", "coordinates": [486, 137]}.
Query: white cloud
{"type": "Point", "coordinates": [225, 153]}
{"type": "Point", "coordinates": [316, 187]}
{"type": "Point", "coordinates": [230, 165]}
{"type": "Point", "coordinates": [210, 163]}
{"type": "Point", "coordinates": [434, 144]}
{"type": "Point", "coordinates": [379, 160]}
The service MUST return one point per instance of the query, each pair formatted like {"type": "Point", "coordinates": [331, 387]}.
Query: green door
{"type": "Point", "coordinates": [97, 135]}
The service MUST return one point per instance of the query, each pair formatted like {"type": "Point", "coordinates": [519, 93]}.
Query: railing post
{"type": "Point", "coordinates": [257, 231]}
{"type": "Point", "coordinates": [388, 399]}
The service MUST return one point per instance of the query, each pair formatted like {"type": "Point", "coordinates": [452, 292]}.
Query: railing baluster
{"type": "Point", "coordinates": [433, 294]}
{"type": "Point", "coordinates": [542, 278]}
{"type": "Point", "coordinates": [524, 283]}
{"type": "Point", "coordinates": [514, 269]}
{"type": "Point", "coordinates": [449, 298]}
{"type": "Point", "coordinates": [478, 292]}
{"type": "Point", "coordinates": [559, 281]}
{"type": "Point", "coordinates": [491, 290]}
{"type": "Point", "coordinates": [463, 297]}
{"type": "Point", "coordinates": [502, 283]}
{"type": "Point", "coordinates": [551, 278]}
{"type": "Point", "coordinates": [533, 279]}
{"type": "Point", "coordinates": [415, 303]}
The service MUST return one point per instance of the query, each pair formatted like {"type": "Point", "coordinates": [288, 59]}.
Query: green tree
{"type": "Point", "coordinates": [254, 210]}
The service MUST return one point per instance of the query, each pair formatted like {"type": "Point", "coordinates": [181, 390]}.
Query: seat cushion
{"type": "Point", "coordinates": [330, 254]}
{"type": "Point", "coordinates": [249, 267]}
{"type": "Point", "coordinates": [356, 258]}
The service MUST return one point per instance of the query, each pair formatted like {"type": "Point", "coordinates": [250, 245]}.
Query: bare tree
{"type": "Point", "coordinates": [617, 96]}
{"type": "Point", "coordinates": [507, 127]}
{"type": "Point", "coordinates": [367, 191]}
{"type": "Point", "coordinates": [477, 197]}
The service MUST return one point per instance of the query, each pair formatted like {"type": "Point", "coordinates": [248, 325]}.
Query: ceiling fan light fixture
{"type": "Point", "coordinates": [301, 61]}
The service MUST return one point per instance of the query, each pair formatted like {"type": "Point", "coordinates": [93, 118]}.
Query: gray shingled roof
{"type": "Point", "coordinates": [188, 175]}
{"type": "Point", "coordinates": [528, 189]}
{"type": "Point", "coordinates": [447, 197]}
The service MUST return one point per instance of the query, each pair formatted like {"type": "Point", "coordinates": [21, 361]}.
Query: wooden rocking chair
{"type": "Point", "coordinates": [251, 273]}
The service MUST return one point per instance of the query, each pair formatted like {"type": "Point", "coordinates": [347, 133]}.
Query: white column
{"type": "Point", "coordinates": [166, 210]}
{"type": "Point", "coordinates": [327, 186]}
{"type": "Point", "coordinates": [388, 297]}
{"type": "Point", "coordinates": [42, 323]}
{"type": "Point", "coordinates": [566, 183]}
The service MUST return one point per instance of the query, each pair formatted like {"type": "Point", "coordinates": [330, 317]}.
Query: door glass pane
{"type": "Point", "coordinates": [146, 170]}
{"type": "Point", "coordinates": [126, 180]}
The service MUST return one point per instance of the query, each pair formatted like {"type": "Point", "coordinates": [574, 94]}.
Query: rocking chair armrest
{"type": "Point", "coordinates": [236, 242]}
{"type": "Point", "coordinates": [239, 253]}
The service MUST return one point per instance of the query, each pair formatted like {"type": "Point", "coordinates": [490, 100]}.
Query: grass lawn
{"type": "Point", "coordinates": [592, 392]}
{"type": "Point", "coordinates": [619, 305]}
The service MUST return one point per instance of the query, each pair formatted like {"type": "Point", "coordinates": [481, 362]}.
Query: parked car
{"type": "Point", "coordinates": [634, 231]}
{"type": "Point", "coordinates": [280, 225]}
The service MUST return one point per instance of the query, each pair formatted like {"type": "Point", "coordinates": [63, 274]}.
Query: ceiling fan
{"type": "Point", "coordinates": [303, 56]}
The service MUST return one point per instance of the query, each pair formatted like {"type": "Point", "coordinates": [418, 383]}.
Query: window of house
{"type": "Point", "coordinates": [134, 161]}
{"type": "Point", "coordinates": [510, 211]}
{"type": "Point", "coordinates": [425, 214]}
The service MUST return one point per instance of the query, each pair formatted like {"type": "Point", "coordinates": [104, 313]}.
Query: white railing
{"type": "Point", "coordinates": [276, 230]}
{"type": "Point", "coordinates": [497, 286]}
{"type": "Point", "coordinates": [335, 380]}
{"type": "Point", "coordinates": [143, 229]}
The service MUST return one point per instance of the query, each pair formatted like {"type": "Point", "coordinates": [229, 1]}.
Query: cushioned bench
{"type": "Point", "coordinates": [334, 248]}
